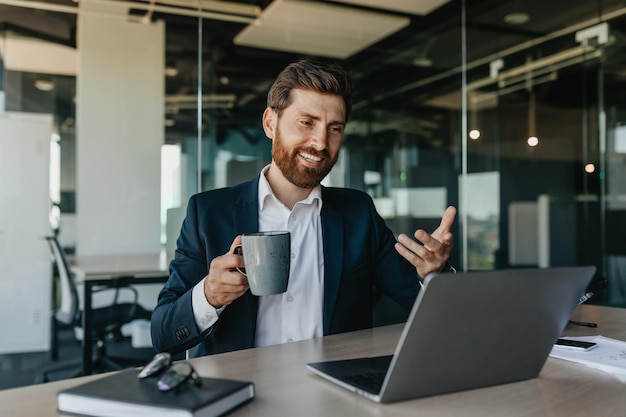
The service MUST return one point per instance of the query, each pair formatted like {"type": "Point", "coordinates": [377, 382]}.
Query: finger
{"type": "Point", "coordinates": [232, 279]}
{"type": "Point", "coordinates": [415, 252]}
{"type": "Point", "coordinates": [409, 243]}
{"type": "Point", "coordinates": [429, 242]}
{"type": "Point", "coordinates": [228, 281]}
{"type": "Point", "coordinates": [447, 240]}
{"type": "Point", "coordinates": [236, 242]}
{"type": "Point", "coordinates": [225, 287]}
{"type": "Point", "coordinates": [447, 220]}
{"type": "Point", "coordinates": [232, 259]}
{"type": "Point", "coordinates": [409, 255]}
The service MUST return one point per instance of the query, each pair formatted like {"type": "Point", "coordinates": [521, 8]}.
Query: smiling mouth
{"type": "Point", "coordinates": [309, 157]}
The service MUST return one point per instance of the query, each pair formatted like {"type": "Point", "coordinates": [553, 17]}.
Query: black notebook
{"type": "Point", "coordinates": [123, 394]}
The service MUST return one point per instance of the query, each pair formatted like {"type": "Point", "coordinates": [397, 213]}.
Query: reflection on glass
{"type": "Point", "coordinates": [483, 216]}
{"type": "Point", "coordinates": [530, 70]}
{"type": "Point", "coordinates": [171, 185]}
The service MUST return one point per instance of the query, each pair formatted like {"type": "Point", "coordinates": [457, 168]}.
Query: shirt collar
{"type": "Point", "coordinates": [265, 192]}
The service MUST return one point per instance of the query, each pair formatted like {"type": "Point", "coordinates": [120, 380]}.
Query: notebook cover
{"type": "Point", "coordinates": [123, 394]}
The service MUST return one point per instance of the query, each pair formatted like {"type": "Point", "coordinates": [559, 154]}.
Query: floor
{"type": "Point", "coordinates": [18, 370]}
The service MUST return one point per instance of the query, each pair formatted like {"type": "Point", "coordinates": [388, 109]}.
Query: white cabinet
{"type": "Point", "coordinates": [25, 268]}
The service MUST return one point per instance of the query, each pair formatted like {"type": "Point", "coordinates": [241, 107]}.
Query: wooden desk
{"type": "Point", "coordinates": [284, 386]}
{"type": "Point", "coordinates": [94, 271]}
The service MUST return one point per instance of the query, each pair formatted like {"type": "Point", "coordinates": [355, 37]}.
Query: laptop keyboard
{"type": "Point", "coordinates": [368, 381]}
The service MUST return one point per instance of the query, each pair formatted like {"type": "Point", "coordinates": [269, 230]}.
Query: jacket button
{"type": "Point", "coordinates": [182, 333]}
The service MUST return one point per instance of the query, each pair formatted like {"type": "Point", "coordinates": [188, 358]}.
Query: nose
{"type": "Point", "coordinates": [319, 138]}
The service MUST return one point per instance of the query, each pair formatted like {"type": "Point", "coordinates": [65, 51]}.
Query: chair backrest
{"type": "Point", "coordinates": [68, 311]}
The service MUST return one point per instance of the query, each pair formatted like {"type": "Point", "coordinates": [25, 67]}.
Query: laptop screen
{"type": "Point", "coordinates": [475, 329]}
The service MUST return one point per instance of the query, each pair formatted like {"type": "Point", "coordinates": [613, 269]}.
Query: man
{"type": "Point", "coordinates": [340, 245]}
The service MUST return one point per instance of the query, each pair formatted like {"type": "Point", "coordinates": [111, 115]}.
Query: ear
{"type": "Point", "coordinates": [270, 118]}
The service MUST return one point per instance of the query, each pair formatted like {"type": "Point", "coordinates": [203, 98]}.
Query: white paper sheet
{"type": "Point", "coordinates": [609, 356]}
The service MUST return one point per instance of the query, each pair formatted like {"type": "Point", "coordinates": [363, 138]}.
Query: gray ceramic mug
{"type": "Point", "coordinates": [266, 256]}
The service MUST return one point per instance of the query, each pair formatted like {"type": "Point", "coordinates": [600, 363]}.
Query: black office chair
{"type": "Point", "coordinates": [107, 321]}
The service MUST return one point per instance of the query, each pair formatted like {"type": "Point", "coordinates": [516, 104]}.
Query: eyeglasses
{"type": "Point", "coordinates": [173, 376]}
{"type": "Point", "coordinates": [177, 375]}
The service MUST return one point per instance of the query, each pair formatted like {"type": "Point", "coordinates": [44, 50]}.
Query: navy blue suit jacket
{"type": "Point", "coordinates": [358, 253]}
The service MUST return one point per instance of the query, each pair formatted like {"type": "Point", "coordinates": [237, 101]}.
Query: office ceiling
{"type": "Point", "coordinates": [402, 53]}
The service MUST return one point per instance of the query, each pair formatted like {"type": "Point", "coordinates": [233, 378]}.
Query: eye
{"type": "Point", "coordinates": [306, 122]}
{"type": "Point", "coordinates": [336, 130]}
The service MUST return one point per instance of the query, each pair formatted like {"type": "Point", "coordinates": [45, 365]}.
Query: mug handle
{"type": "Point", "coordinates": [239, 251]}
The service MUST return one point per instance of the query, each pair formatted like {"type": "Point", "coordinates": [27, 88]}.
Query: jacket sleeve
{"type": "Point", "coordinates": [173, 326]}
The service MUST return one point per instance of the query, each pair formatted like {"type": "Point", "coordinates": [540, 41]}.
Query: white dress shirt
{"type": "Point", "coordinates": [297, 313]}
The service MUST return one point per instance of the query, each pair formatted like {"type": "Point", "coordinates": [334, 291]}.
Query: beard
{"type": "Point", "coordinates": [304, 177]}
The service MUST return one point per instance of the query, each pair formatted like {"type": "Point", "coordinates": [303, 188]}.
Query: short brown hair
{"type": "Point", "coordinates": [310, 75]}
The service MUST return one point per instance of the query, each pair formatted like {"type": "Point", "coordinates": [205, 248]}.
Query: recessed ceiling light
{"type": "Point", "coordinates": [44, 85]}
{"type": "Point", "coordinates": [517, 18]}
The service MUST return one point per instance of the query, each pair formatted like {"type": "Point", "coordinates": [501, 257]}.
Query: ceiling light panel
{"type": "Point", "coordinates": [32, 55]}
{"type": "Point", "coordinates": [318, 29]}
{"type": "Point", "coordinates": [419, 7]}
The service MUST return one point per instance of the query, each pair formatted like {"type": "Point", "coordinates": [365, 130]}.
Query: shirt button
{"type": "Point", "coordinates": [293, 255]}
{"type": "Point", "coordinates": [289, 298]}
{"type": "Point", "coordinates": [289, 340]}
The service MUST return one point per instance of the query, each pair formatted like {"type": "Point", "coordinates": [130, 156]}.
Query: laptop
{"type": "Point", "coordinates": [466, 331]}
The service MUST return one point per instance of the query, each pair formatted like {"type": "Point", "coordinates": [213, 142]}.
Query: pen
{"type": "Point", "coordinates": [585, 297]}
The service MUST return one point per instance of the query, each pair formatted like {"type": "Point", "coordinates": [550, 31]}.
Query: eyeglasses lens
{"type": "Point", "coordinates": [176, 376]}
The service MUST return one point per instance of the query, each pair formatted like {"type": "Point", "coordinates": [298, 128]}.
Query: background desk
{"type": "Point", "coordinates": [284, 386]}
{"type": "Point", "coordinates": [93, 271]}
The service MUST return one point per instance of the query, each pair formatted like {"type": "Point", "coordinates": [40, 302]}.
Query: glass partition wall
{"type": "Point", "coordinates": [509, 110]}
{"type": "Point", "coordinates": [544, 123]}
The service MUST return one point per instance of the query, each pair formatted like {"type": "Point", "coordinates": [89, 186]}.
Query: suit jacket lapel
{"type": "Point", "coordinates": [246, 210]}
{"type": "Point", "coordinates": [332, 234]}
